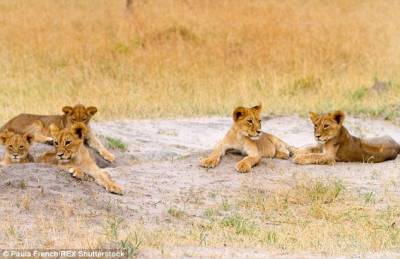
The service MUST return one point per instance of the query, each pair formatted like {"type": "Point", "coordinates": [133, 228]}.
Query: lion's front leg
{"type": "Point", "coordinates": [215, 157]}
{"type": "Point", "coordinates": [103, 179]}
{"type": "Point", "coordinates": [245, 165]}
{"type": "Point", "coordinates": [4, 162]}
{"type": "Point", "coordinates": [313, 158]}
{"type": "Point", "coordinates": [48, 157]}
{"type": "Point", "coordinates": [77, 173]}
{"type": "Point", "coordinates": [307, 150]}
{"type": "Point", "coordinates": [93, 142]}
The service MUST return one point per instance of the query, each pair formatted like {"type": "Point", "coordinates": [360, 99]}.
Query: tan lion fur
{"type": "Point", "coordinates": [38, 125]}
{"type": "Point", "coordinates": [246, 136]}
{"type": "Point", "coordinates": [336, 144]}
{"type": "Point", "coordinates": [16, 147]}
{"type": "Point", "coordinates": [71, 155]}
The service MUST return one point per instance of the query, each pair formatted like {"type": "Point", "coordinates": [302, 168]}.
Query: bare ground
{"type": "Point", "coordinates": [43, 207]}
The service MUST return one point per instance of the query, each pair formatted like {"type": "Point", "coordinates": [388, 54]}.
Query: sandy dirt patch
{"type": "Point", "coordinates": [159, 171]}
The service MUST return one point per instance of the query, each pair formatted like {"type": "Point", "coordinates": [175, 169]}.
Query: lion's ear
{"type": "Point", "coordinates": [338, 116]}
{"type": "Point", "coordinates": [67, 110]}
{"type": "Point", "coordinates": [91, 110]}
{"type": "Point", "coordinates": [4, 136]}
{"type": "Point", "coordinates": [239, 113]}
{"type": "Point", "coordinates": [54, 130]}
{"type": "Point", "coordinates": [79, 130]}
{"type": "Point", "coordinates": [257, 108]}
{"type": "Point", "coordinates": [28, 137]}
{"type": "Point", "coordinates": [313, 116]}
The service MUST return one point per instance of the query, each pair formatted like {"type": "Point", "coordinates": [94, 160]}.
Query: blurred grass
{"type": "Point", "coordinates": [178, 58]}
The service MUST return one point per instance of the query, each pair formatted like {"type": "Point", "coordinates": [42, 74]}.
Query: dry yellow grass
{"type": "Point", "coordinates": [315, 216]}
{"type": "Point", "coordinates": [310, 216]}
{"type": "Point", "coordinates": [189, 57]}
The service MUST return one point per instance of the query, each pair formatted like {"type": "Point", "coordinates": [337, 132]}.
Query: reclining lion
{"type": "Point", "coordinates": [246, 136]}
{"type": "Point", "coordinates": [16, 147]}
{"type": "Point", "coordinates": [71, 154]}
{"type": "Point", "coordinates": [38, 125]}
{"type": "Point", "coordinates": [336, 144]}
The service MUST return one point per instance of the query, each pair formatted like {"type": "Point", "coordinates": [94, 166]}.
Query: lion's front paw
{"type": "Point", "coordinates": [243, 167]}
{"type": "Point", "coordinates": [77, 173]}
{"type": "Point", "coordinates": [299, 159]}
{"type": "Point", "coordinates": [293, 151]}
{"type": "Point", "coordinates": [114, 188]}
{"type": "Point", "coordinates": [107, 156]}
{"type": "Point", "coordinates": [210, 162]}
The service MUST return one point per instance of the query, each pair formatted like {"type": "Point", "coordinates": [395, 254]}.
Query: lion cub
{"type": "Point", "coordinates": [16, 147]}
{"type": "Point", "coordinates": [71, 154]}
{"type": "Point", "coordinates": [337, 144]}
{"type": "Point", "coordinates": [246, 136]}
{"type": "Point", "coordinates": [38, 125]}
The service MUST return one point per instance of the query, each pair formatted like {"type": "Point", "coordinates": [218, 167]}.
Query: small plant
{"type": "Point", "coordinates": [113, 228]}
{"type": "Point", "coordinates": [203, 238]}
{"type": "Point", "coordinates": [209, 213]}
{"type": "Point", "coordinates": [369, 197]}
{"type": "Point", "coordinates": [22, 184]}
{"type": "Point", "coordinates": [240, 224]}
{"type": "Point", "coordinates": [131, 244]}
{"type": "Point", "coordinates": [324, 193]}
{"type": "Point", "coordinates": [304, 84]}
{"type": "Point", "coordinates": [359, 94]}
{"type": "Point", "coordinates": [116, 144]}
{"type": "Point", "coordinates": [176, 213]}
{"type": "Point", "coordinates": [225, 205]}
{"type": "Point", "coordinates": [271, 237]}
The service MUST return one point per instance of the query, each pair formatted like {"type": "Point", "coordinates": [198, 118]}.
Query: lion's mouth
{"type": "Point", "coordinates": [15, 159]}
{"type": "Point", "coordinates": [64, 160]}
{"type": "Point", "coordinates": [321, 140]}
{"type": "Point", "coordinates": [254, 136]}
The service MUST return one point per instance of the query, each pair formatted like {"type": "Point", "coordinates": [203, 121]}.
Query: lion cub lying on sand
{"type": "Point", "coordinates": [16, 147]}
{"type": "Point", "coordinates": [246, 136]}
{"type": "Point", "coordinates": [71, 154]}
{"type": "Point", "coordinates": [337, 144]}
{"type": "Point", "coordinates": [38, 125]}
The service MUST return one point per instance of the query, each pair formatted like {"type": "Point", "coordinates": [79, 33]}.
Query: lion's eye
{"type": "Point", "coordinates": [21, 147]}
{"type": "Point", "coordinates": [55, 143]}
{"type": "Point", "coordinates": [250, 121]}
{"type": "Point", "coordinates": [10, 146]}
{"type": "Point", "coordinates": [67, 143]}
{"type": "Point", "coordinates": [326, 126]}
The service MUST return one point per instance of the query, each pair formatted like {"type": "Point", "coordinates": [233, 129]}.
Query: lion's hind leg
{"type": "Point", "coordinates": [282, 149]}
{"type": "Point", "coordinates": [37, 130]}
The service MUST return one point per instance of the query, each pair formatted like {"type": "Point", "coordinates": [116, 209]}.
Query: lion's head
{"type": "Point", "coordinates": [247, 121]}
{"type": "Point", "coordinates": [78, 114]}
{"type": "Point", "coordinates": [68, 141]}
{"type": "Point", "coordinates": [328, 125]}
{"type": "Point", "coordinates": [17, 145]}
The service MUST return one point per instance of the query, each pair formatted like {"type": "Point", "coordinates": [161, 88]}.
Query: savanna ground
{"type": "Point", "coordinates": [173, 208]}
{"type": "Point", "coordinates": [187, 58]}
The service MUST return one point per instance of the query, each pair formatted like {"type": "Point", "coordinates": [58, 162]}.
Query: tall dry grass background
{"type": "Point", "coordinates": [190, 58]}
